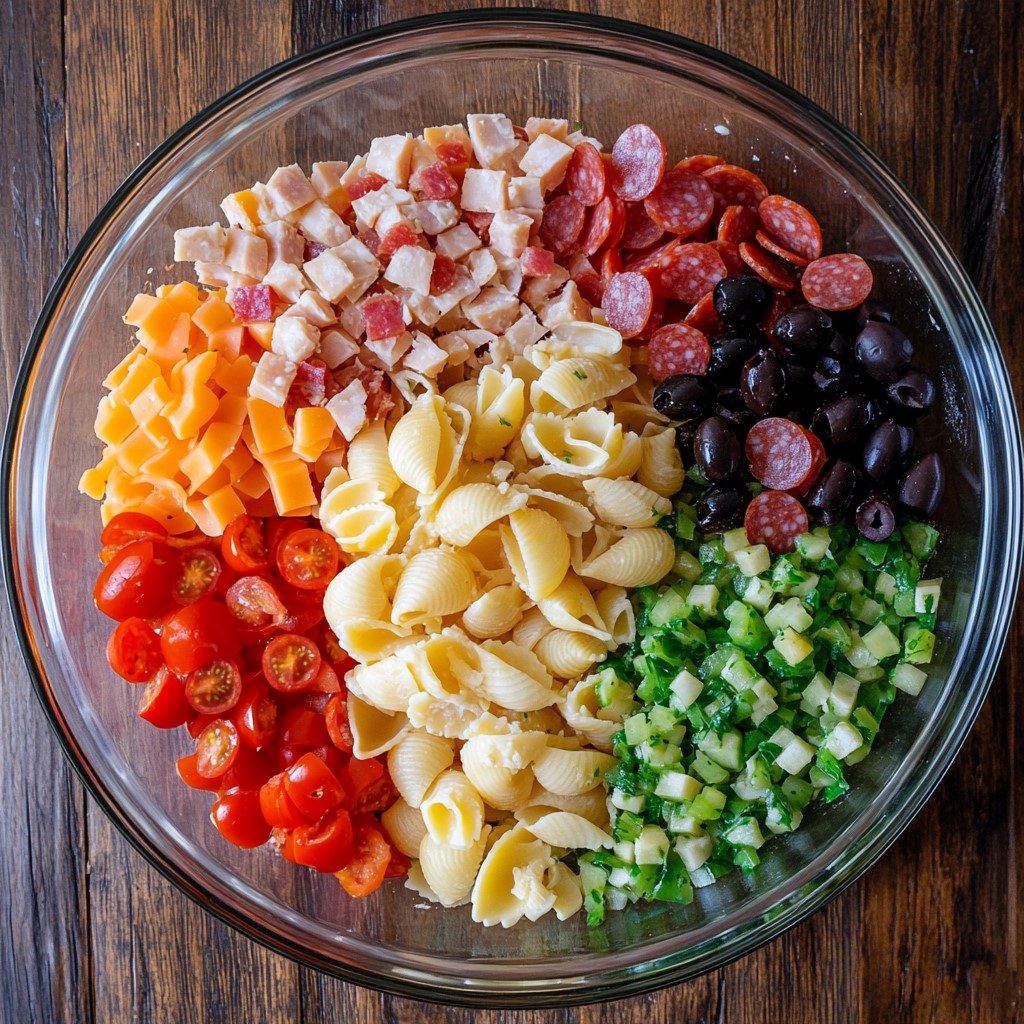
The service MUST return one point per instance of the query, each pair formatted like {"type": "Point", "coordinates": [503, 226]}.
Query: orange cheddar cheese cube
{"type": "Point", "coordinates": [270, 430]}
{"type": "Point", "coordinates": [141, 373]}
{"type": "Point", "coordinates": [114, 420]}
{"type": "Point", "coordinates": [151, 400]}
{"type": "Point", "coordinates": [314, 430]}
{"type": "Point", "coordinates": [290, 486]}
{"type": "Point", "coordinates": [184, 296]}
{"type": "Point", "coordinates": [213, 314]}
{"type": "Point", "coordinates": [234, 376]}
{"type": "Point", "coordinates": [119, 372]}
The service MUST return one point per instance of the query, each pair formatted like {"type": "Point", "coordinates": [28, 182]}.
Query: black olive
{"type": "Point", "coordinates": [801, 394]}
{"type": "Point", "coordinates": [855, 320]}
{"type": "Point", "coordinates": [684, 397]}
{"type": "Point", "coordinates": [844, 420]}
{"type": "Point", "coordinates": [913, 392]}
{"type": "Point", "coordinates": [684, 441]}
{"type": "Point", "coordinates": [883, 350]}
{"type": "Point", "coordinates": [728, 354]}
{"type": "Point", "coordinates": [835, 375]}
{"type": "Point", "coordinates": [875, 518]}
{"type": "Point", "coordinates": [922, 485]}
{"type": "Point", "coordinates": [717, 450]}
{"type": "Point", "coordinates": [763, 383]}
{"type": "Point", "coordinates": [833, 491]}
{"type": "Point", "coordinates": [803, 330]}
{"type": "Point", "coordinates": [740, 301]}
{"type": "Point", "coordinates": [722, 508]}
{"type": "Point", "coordinates": [887, 450]}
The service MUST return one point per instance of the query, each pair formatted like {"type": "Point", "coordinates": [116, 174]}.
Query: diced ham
{"type": "Point", "coordinates": [289, 189]}
{"type": "Point", "coordinates": [463, 287]}
{"type": "Point", "coordinates": [363, 184]}
{"type": "Point", "coordinates": [397, 236]}
{"type": "Point", "coordinates": [294, 337]}
{"type": "Point", "coordinates": [484, 191]}
{"type": "Point", "coordinates": [310, 384]}
{"type": "Point", "coordinates": [378, 391]}
{"type": "Point", "coordinates": [434, 181]}
{"type": "Point", "coordinates": [252, 304]}
{"type": "Point", "coordinates": [348, 408]}
{"type": "Point", "coordinates": [411, 267]}
{"type": "Point", "coordinates": [537, 261]}
{"type": "Point", "coordinates": [442, 277]}
{"type": "Point", "coordinates": [272, 378]}
{"type": "Point", "coordinates": [382, 316]}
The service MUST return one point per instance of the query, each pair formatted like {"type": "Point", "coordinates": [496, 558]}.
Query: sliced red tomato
{"type": "Point", "coordinates": [291, 662]}
{"type": "Point", "coordinates": [305, 610]}
{"type": "Point", "coordinates": [244, 546]}
{"type": "Point", "coordinates": [336, 720]}
{"type": "Point", "coordinates": [249, 770]}
{"type": "Point", "coordinates": [255, 717]}
{"type": "Point", "coordinates": [164, 703]}
{"type": "Point", "coordinates": [276, 805]}
{"type": "Point", "coordinates": [254, 601]}
{"type": "Point", "coordinates": [238, 818]}
{"type": "Point", "coordinates": [301, 727]}
{"type": "Point", "coordinates": [371, 855]}
{"type": "Point", "coordinates": [196, 634]}
{"type": "Point", "coordinates": [216, 748]}
{"type": "Point", "coordinates": [368, 785]}
{"type": "Point", "coordinates": [136, 581]}
{"type": "Point", "coordinates": [327, 680]}
{"type": "Point", "coordinates": [326, 845]}
{"type": "Point", "coordinates": [313, 787]}
{"type": "Point", "coordinates": [214, 688]}
{"type": "Point", "coordinates": [133, 650]}
{"type": "Point", "coordinates": [198, 571]}
{"type": "Point", "coordinates": [128, 526]}
{"type": "Point", "coordinates": [308, 559]}
{"type": "Point", "coordinates": [188, 772]}
{"type": "Point", "coordinates": [276, 530]}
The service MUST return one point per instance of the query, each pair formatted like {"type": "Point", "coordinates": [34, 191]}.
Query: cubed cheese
{"type": "Point", "coordinates": [546, 159]}
{"type": "Point", "coordinates": [246, 253]}
{"type": "Point", "coordinates": [330, 273]}
{"type": "Point", "coordinates": [425, 357]}
{"type": "Point", "coordinates": [202, 244]}
{"type": "Point", "coordinates": [313, 308]}
{"type": "Point", "coordinates": [436, 215]}
{"type": "Point", "coordinates": [510, 232]}
{"type": "Point", "coordinates": [482, 266]}
{"type": "Point", "coordinates": [272, 379]}
{"type": "Point", "coordinates": [388, 351]}
{"type": "Point", "coordinates": [411, 267]}
{"type": "Point", "coordinates": [495, 309]}
{"type": "Point", "coordinates": [326, 181]}
{"type": "Point", "coordinates": [525, 331]}
{"type": "Point", "coordinates": [389, 157]}
{"type": "Point", "coordinates": [284, 243]}
{"type": "Point", "coordinates": [556, 127]}
{"type": "Point", "coordinates": [320, 223]}
{"type": "Point", "coordinates": [492, 136]}
{"type": "Point", "coordinates": [337, 347]}
{"type": "Point", "coordinates": [463, 287]}
{"type": "Point", "coordinates": [456, 242]}
{"type": "Point", "coordinates": [294, 338]}
{"type": "Point", "coordinates": [362, 263]}
{"type": "Point", "coordinates": [484, 191]}
{"type": "Point", "coordinates": [289, 189]}
{"type": "Point", "coordinates": [348, 408]}
{"type": "Point", "coordinates": [526, 191]}
{"type": "Point", "coordinates": [567, 306]}
{"type": "Point", "coordinates": [369, 207]}
{"type": "Point", "coordinates": [286, 279]}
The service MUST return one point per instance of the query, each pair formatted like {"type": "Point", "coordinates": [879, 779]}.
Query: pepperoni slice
{"type": "Point", "coordinates": [738, 224]}
{"type": "Point", "coordinates": [791, 225]}
{"type": "Point", "coordinates": [627, 305]}
{"type": "Point", "coordinates": [730, 253]}
{"type": "Point", "coordinates": [585, 176]}
{"type": "Point", "coordinates": [682, 203]}
{"type": "Point", "coordinates": [605, 224]}
{"type": "Point", "coordinates": [770, 245]}
{"type": "Point", "coordinates": [775, 519]}
{"type": "Point", "coordinates": [611, 264]}
{"type": "Point", "coordinates": [817, 463]}
{"type": "Point", "coordinates": [688, 271]}
{"type": "Point", "coordinates": [651, 260]}
{"type": "Point", "coordinates": [435, 181]}
{"type": "Point", "coordinates": [703, 316]}
{"type": "Point", "coordinates": [768, 268]}
{"type": "Point", "coordinates": [677, 348]}
{"type": "Point", "coordinates": [562, 223]}
{"type": "Point", "coordinates": [736, 185]}
{"type": "Point", "coordinates": [698, 163]}
{"type": "Point", "coordinates": [840, 281]}
{"type": "Point", "coordinates": [590, 285]}
{"type": "Point", "coordinates": [638, 162]}
{"type": "Point", "coordinates": [640, 232]}
{"type": "Point", "coordinates": [781, 454]}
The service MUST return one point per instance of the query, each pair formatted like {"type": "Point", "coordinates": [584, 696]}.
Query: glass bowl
{"type": "Point", "coordinates": [329, 104]}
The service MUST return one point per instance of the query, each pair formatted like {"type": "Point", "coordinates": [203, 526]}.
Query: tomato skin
{"type": "Point", "coordinates": [163, 703]}
{"type": "Point", "coordinates": [255, 717]}
{"type": "Point", "coordinates": [244, 546]}
{"type": "Point", "coordinates": [238, 818]}
{"type": "Point", "coordinates": [291, 662]}
{"type": "Point", "coordinates": [133, 650]}
{"type": "Point", "coordinates": [128, 526]}
{"type": "Point", "coordinates": [216, 748]}
{"type": "Point", "coordinates": [249, 770]}
{"type": "Point", "coordinates": [188, 772]}
{"type": "Point", "coordinates": [308, 559]}
{"type": "Point", "coordinates": [197, 574]}
{"type": "Point", "coordinates": [136, 581]}
{"type": "Point", "coordinates": [277, 807]}
{"type": "Point", "coordinates": [195, 635]}
{"type": "Point", "coordinates": [214, 688]}
{"type": "Point", "coordinates": [276, 530]}
{"type": "Point", "coordinates": [368, 865]}
{"type": "Point", "coordinates": [254, 601]}
{"type": "Point", "coordinates": [313, 787]}
{"type": "Point", "coordinates": [336, 720]}
{"type": "Point", "coordinates": [325, 846]}
{"type": "Point", "coordinates": [301, 727]}
{"type": "Point", "coordinates": [367, 785]}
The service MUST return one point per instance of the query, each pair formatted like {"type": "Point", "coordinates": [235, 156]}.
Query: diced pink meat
{"type": "Point", "coordinates": [395, 238]}
{"type": "Point", "coordinates": [382, 315]}
{"type": "Point", "coordinates": [537, 261]}
{"type": "Point", "coordinates": [368, 182]}
{"type": "Point", "coordinates": [435, 181]}
{"type": "Point", "coordinates": [252, 303]}
{"type": "Point", "coordinates": [310, 384]}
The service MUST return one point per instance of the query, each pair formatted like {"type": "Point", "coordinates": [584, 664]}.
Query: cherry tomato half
{"type": "Point", "coordinates": [276, 805]}
{"type": "Point", "coordinates": [255, 603]}
{"type": "Point", "coordinates": [302, 727]}
{"type": "Point", "coordinates": [255, 717]}
{"type": "Point", "coordinates": [164, 703]}
{"type": "Point", "coordinates": [238, 818]}
{"type": "Point", "coordinates": [196, 634]}
{"type": "Point", "coordinates": [325, 846]}
{"type": "Point", "coordinates": [136, 581]}
{"type": "Point", "coordinates": [291, 662]}
{"type": "Point", "coordinates": [128, 526]}
{"type": "Point", "coordinates": [214, 688]}
{"type": "Point", "coordinates": [336, 720]}
{"type": "Point", "coordinates": [308, 559]}
{"type": "Point", "coordinates": [244, 547]}
{"type": "Point", "coordinates": [216, 748]}
{"type": "Point", "coordinates": [188, 772]}
{"type": "Point", "coordinates": [368, 865]}
{"type": "Point", "coordinates": [198, 571]}
{"type": "Point", "coordinates": [313, 787]}
{"type": "Point", "coordinates": [133, 650]}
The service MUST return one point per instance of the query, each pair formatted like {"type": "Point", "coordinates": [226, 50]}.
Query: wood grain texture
{"type": "Point", "coordinates": [89, 933]}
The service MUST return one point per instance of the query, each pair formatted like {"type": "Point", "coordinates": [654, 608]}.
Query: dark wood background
{"type": "Point", "coordinates": [88, 933]}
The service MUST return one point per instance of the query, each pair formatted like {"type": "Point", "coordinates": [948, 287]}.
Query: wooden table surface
{"type": "Point", "coordinates": [89, 933]}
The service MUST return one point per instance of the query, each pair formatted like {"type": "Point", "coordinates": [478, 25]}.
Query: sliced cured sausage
{"type": "Point", "coordinates": [638, 162]}
{"type": "Point", "coordinates": [698, 163]}
{"type": "Point", "coordinates": [840, 281]}
{"type": "Point", "coordinates": [736, 185]}
{"type": "Point", "coordinates": [738, 224]}
{"type": "Point", "coordinates": [605, 223]}
{"type": "Point", "coordinates": [688, 271]}
{"type": "Point", "coordinates": [783, 455]}
{"type": "Point", "coordinates": [767, 267]}
{"type": "Point", "coordinates": [562, 223]}
{"type": "Point", "coordinates": [677, 348]}
{"type": "Point", "coordinates": [682, 203]}
{"type": "Point", "coordinates": [585, 177]}
{"type": "Point", "coordinates": [791, 225]}
{"type": "Point", "coordinates": [628, 301]}
{"type": "Point", "coordinates": [640, 232]}
{"type": "Point", "coordinates": [775, 519]}
{"type": "Point", "coordinates": [770, 245]}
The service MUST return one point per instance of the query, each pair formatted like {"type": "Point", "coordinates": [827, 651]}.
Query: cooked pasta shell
{"type": "Point", "coordinates": [363, 589]}
{"type": "Point", "coordinates": [373, 731]}
{"type": "Point", "coordinates": [435, 582]}
{"type": "Point", "coordinates": [568, 654]}
{"type": "Point", "coordinates": [405, 827]}
{"type": "Point", "coordinates": [368, 459]}
{"type": "Point", "coordinates": [537, 549]}
{"type": "Point", "coordinates": [494, 613]}
{"type": "Point", "coordinates": [616, 611]}
{"type": "Point", "coordinates": [445, 664]}
{"type": "Point", "coordinates": [387, 684]}
{"type": "Point", "coordinates": [496, 412]}
{"type": "Point", "coordinates": [569, 831]}
{"type": "Point", "coordinates": [513, 677]}
{"type": "Point", "coordinates": [578, 337]}
{"type": "Point", "coordinates": [450, 871]}
{"type": "Point", "coordinates": [416, 761]}
{"type": "Point", "coordinates": [498, 766]}
{"type": "Point", "coordinates": [575, 517]}
{"type": "Point", "coordinates": [573, 607]}
{"type": "Point", "coordinates": [412, 385]}
{"type": "Point", "coordinates": [592, 805]}
{"type": "Point", "coordinates": [636, 559]}
{"type": "Point", "coordinates": [569, 384]}
{"type": "Point", "coordinates": [452, 717]}
{"type": "Point", "coordinates": [468, 509]}
{"type": "Point", "coordinates": [623, 502]}
{"type": "Point", "coordinates": [571, 772]}
{"type": "Point", "coordinates": [510, 882]}
{"type": "Point", "coordinates": [369, 640]}
{"type": "Point", "coordinates": [370, 528]}
{"type": "Point", "coordinates": [423, 444]}
{"type": "Point", "coordinates": [661, 466]}
{"type": "Point", "coordinates": [588, 717]}
{"type": "Point", "coordinates": [568, 890]}
{"type": "Point", "coordinates": [453, 810]}
{"type": "Point", "coordinates": [625, 459]}
{"type": "Point", "coordinates": [530, 629]}
{"type": "Point", "coordinates": [579, 445]}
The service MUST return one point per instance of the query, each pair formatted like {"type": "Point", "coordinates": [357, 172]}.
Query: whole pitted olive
{"type": "Point", "coordinates": [883, 350]}
{"type": "Point", "coordinates": [921, 487]}
{"type": "Point", "coordinates": [887, 450]}
{"type": "Point", "coordinates": [835, 375]}
{"type": "Point", "coordinates": [844, 420]}
{"type": "Point", "coordinates": [913, 392]}
{"type": "Point", "coordinates": [716, 450]}
{"type": "Point", "coordinates": [684, 441]}
{"type": "Point", "coordinates": [855, 320]}
{"type": "Point", "coordinates": [875, 518]}
{"type": "Point", "coordinates": [740, 301]}
{"type": "Point", "coordinates": [684, 397]}
{"type": "Point", "coordinates": [722, 508]}
{"type": "Point", "coordinates": [803, 330]}
{"type": "Point", "coordinates": [728, 354]}
{"type": "Point", "coordinates": [763, 383]}
{"type": "Point", "coordinates": [833, 491]}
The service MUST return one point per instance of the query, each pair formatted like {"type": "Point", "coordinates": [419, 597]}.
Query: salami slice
{"type": "Point", "coordinates": [770, 245]}
{"type": "Point", "coordinates": [605, 223]}
{"type": "Point", "coordinates": [767, 267]}
{"type": "Point", "coordinates": [638, 162]}
{"type": "Point", "coordinates": [590, 285]}
{"type": "Point", "coordinates": [611, 264]}
{"type": "Point", "coordinates": [585, 177]}
{"type": "Point", "coordinates": [628, 300]}
{"type": "Point", "coordinates": [640, 232]}
{"type": "Point", "coordinates": [738, 224]}
{"type": "Point", "coordinates": [840, 281]}
{"type": "Point", "coordinates": [781, 455]}
{"type": "Point", "coordinates": [775, 519]}
{"type": "Point", "coordinates": [704, 317]}
{"type": "Point", "coordinates": [736, 185]}
{"type": "Point", "coordinates": [562, 223]}
{"type": "Point", "coordinates": [817, 463]}
{"type": "Point", "coordinates": [652, 259]}
{"type": "Point", "coordinates": [730, 253]}
{"type": "Point", "coordinates": [682, 203]}
{"type": "Point", "coordinates": [688, 271]}
{"type": "Point", "coordinates": [791, 225]}
{"type": "Point", "coordinates": [677, 348]}
{"type": "Point", "coordinates": [698, 163]}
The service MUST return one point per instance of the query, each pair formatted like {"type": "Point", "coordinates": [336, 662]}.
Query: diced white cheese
{"type": "Point", "coordinates": [356, 169]}
{"type": "Point", "coordinates": [456, 242]}
{"type": "Point", "coordinates": [286, 279]}
{"type": "Point", "coordinates": [422, 155]}
{"type": "Point", "coordinates": [510, 232]}
{"type": "Point", "coordinates": [362, 263]}
{"type": "Point", "coordinates": [436, 215]}
{"type": "Point", "coordinates": [238, 214]}
{"type": "Point", "coordinates": [425, 357]}
{"type": "Point", "coordinates": [388, 351]}
{"type": "Point", "coordinates": [265, 210]}
{"type": "Point", "coordinates": [566, 307]}
{"type": "Point", "coordinates": [556, 127]}
{"type": "Point", "coordinates": [337, 347]}
{"type": "Point", "coordinates": [539, 289]}
{"type": "Point", "coordinates": [348, 408]}
{"type": "Point", "coordinates": [526, 191]}
{"type": "Point", "coordinates": [511, 270]}
{"type": "Point", "coordinates": [492, 136]}
{"type": "Point", "coordinates": [410, 267]}
{"type": "Point", "coordinates": [350, 317]}
{"type": "Point", "coordinates": [319, 222]}
{"type": "Point", "coordinates": [482, 266]}
{"type": "Point", "coordinates": [576, 137]}
{"type": "Point", "coordinates": [326, 179]}
{"type": "Point", "coordinates": [525, 331]}
{"type": "Point", "coordinates": [313, 308]}
{"type": "Point", "coordinates": [284, 243]}
{"type": "Point", "coordinates": [272, 378]}
{"type": "Point", "coordinates": [213, 275]}
{"type": "Point", "coordinates": [419, 307]}
{"type": "Point", "coordinates": [246, 253]}
{"type": "Point", "coordinates": [389, 157]}
{"type": "Point", "coordinates": [369, 207]}
{"type": "Point", "coordinates": [294, 337]}
{"type": "Point", "coordinates": [289, 189]}
{"type": "Point", "coordinates": [546, 159]}
{"type": "Point", "coordinates": [330, 273]}
{"type": "Point", "coordinates": [202, 244]}
{"type": "Point", "coordinates": [495, 309]}
{"type": "Point", "coordinates": [484, 191]}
